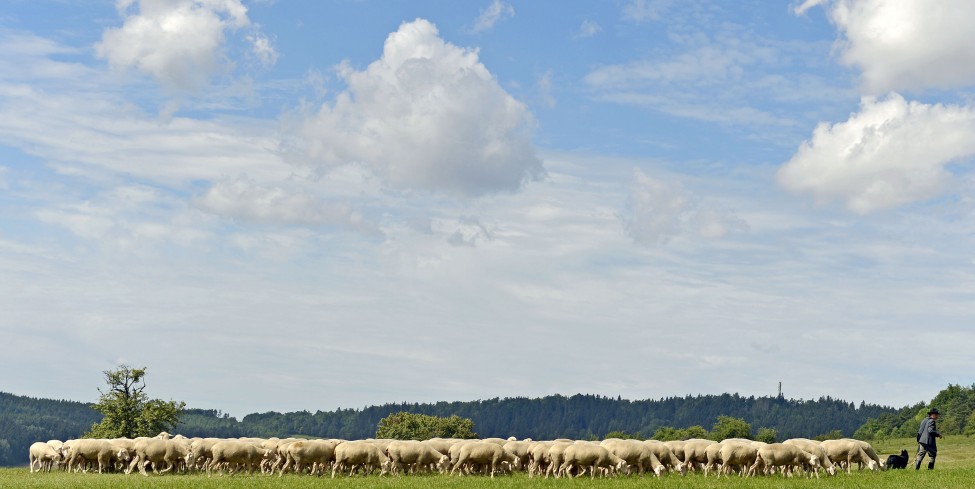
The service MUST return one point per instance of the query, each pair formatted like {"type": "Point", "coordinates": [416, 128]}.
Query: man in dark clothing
{"type": "Point", "coordinates": [927, 436]}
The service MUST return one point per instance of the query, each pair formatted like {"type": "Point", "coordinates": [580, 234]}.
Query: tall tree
{"type": "Point", "coordinates": [128, 412]}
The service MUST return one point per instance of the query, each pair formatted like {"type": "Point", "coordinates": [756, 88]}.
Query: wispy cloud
{"type": "Point", "coordinates": [588, 28]}
{"type": "Point", "coordinates": [657, 211]}
{"type": "Point", "coordinates": [491, 15]}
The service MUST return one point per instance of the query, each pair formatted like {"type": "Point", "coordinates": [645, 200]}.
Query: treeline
{"type": "Point", "coordinates": [580, 416]}
{"type": "Point", "coordinates": [957, 406]}
{"type": "Point", "coordinates": [24, 420]}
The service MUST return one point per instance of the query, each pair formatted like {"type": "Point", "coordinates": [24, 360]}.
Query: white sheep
{"type": "Point", "coordinates": [353, 454]}
{"type": "Point", "coordinates": [416, 454]}
{"type": "Point", "coordinates": [788, 457]}
{"type": "Point", "coordinates": [44, 456]}
{"type": "Point", "coordinates": [814, 447]}
{"type": "Point", "coordinates": [848, 451]}
{"type": "Point", "coordinates": [589, 456]}
{"type": "Point", "coordinates": [737, 455]}
{"type": "Point", "coordinates": [636, 454]}
{"type": "Point", "coordinates": [236, 453]}
{"type": "Point", "coordinates": [485, 453]}
{"type": "Point", "coordinates": [315, 453]}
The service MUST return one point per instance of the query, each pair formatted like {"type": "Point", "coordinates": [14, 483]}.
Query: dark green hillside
{"type": "Point", "coordinates": [24, 420]}
{"type": "Point", "coordinates": [586, 416]}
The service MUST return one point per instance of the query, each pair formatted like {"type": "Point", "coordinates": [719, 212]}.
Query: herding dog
{"type": "Point", "coordinates": [898, 461]}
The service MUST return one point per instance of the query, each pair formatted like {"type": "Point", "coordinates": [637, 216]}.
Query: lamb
{"type": "Point", "coordinates": [485, 453]}
{"type": "Point", "coordinates": [353, 454]}
{"type": "Point", "coordinates": [898, 461]}
{"type": "Point", "coordinates": [44, 455]}
{"type": "Point", "coordinates": [636, 454]}
{"type": "Point", "coordinates": [787, 456]}
{"type": "Point", "coordinates": [589, 455]}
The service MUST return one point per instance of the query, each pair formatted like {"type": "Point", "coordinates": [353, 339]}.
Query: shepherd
{"type": "Point", "coordinates": [927, 436]}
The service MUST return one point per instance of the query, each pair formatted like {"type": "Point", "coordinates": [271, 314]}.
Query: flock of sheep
{"type": "Point", "coordinates": [556, 458]}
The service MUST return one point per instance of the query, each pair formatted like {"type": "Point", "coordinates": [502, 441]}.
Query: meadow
{"type": "Point", "coordinates": [955, 469]}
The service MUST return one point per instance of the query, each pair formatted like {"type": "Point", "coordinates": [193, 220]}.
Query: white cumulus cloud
{"type": "Point", "coordinates": [426, 115]}
{"type": "Point", "coordinates": [902, 45]}
{"type": "Point", "coordinates": [176, 41]}
{"type": "Point", "coordinates": [893, 152]}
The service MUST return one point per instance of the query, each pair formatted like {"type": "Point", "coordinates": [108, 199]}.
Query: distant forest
{"type": "Point", "coordinates": [24, 420]}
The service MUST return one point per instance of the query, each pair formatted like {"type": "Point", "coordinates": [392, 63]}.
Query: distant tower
{"type": "Point", "coordinates": [780, 389]}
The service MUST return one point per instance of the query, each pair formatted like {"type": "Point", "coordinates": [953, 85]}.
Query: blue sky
{"type": "Point", "coordinates": [284, 205]}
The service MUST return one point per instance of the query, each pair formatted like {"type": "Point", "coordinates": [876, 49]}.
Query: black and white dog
{"type": "Point", "coordinates": [898, 461]}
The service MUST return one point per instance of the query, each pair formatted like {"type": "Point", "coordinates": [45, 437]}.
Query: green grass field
{"type": "Point", "coordinates": [956, 469]}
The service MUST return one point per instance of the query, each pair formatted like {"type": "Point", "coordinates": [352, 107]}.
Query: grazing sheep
{"type": "Point", "coordinates": [676, 446]}
{"type": "Point", "coordinates": [483, 453]}
{"type": "Point", "coordinates": [85, 451]}
{"type": "Point", "coordinates": [44, 456]}
{"type": "Point", "coordinates": [538, 461]}
{"type": "Point", "coordinates": [201, 452]}
{"type": "Point", "coordinates": [159, 452]}
{"type": "Point", "coordinates": [236, 453]}
{"type": "Point", "coordinates": [442, 445]}
{"type": "Point", "coordinates": [848, 451]}
{"type": "Point", "coordinates": [739, 456]}
{"type": "Point", "coordinates": [666, 456]}
{"type": "Point", "coordinates": [871, 453]}
{"type": "Point", "coordinates": [416, 454]}
{"type": "Point", "coordinates": [636, 454]}
{"type": "Point", "coordinates": [554, 458]}
{"type": "Point", "coordinates": [316, 453]}
{"type": "Point", "coordinates": [788, 457]}
{"type": "Point", "coordinates": [520, 450]}
{"type": "Point", "coordinates": [359, 453]}
{"type": "Point", "coordinates": [713, 454]}
{"type": "Point", "coordinates": [695, 453]}
{"type": "Point", "coordinates": [816, 448]}
{"type": "Point", "coordinates": [590, 456]}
